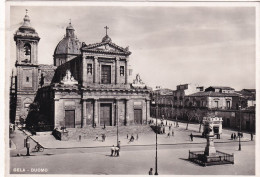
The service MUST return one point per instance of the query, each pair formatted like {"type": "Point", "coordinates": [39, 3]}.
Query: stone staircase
{"type": "Point", "coordinates": [90, 132]}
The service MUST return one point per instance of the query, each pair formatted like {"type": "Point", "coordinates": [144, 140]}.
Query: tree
{"type": "Point", "coordinates": [35, 120]}
{"type": "Point", "coordinates": [190, 115]}
{"type": "Point", "coordinates": [199, 114]}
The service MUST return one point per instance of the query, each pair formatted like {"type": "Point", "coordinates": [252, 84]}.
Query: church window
{"type": "Point", "coordinates": [89, 69]}
{"type": "Point", "coordinates": [122, 71]}
{"type": "Point", "coordinates": [106, 74]}
{"type": "Point", "coordinates": [27, 79]}
{"type": "Point", "coordinates": [216, 104]}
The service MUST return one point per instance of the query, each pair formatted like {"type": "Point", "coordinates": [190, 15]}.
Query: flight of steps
{"type": "Point", "coordinates": [90, 132]}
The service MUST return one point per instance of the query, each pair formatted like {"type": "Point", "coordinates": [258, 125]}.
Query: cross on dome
{"type": "Point", "coordinates": [106, 27]}
{"type": "Point", "coordinates": [26, 11]}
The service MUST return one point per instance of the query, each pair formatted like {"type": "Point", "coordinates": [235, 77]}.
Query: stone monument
{"type": "Point", "coordinates": [210, 149]}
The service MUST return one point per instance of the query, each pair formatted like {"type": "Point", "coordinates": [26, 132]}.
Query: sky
{"type": "Point", "coordinates": [209, 46]}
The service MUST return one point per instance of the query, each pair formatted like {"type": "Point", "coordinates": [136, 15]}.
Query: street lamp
{"type": "Point", "coordinates": [156, 159]}
{"type": "Point", "coordinates": [239, 145]}
{"type": "Point", "coordinates": [116, 123]}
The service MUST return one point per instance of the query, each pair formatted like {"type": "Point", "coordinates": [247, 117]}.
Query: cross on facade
{"type": "Point", "coordinates": [106, 27]}
{"type": "Point", "coordinates": [70, 21]}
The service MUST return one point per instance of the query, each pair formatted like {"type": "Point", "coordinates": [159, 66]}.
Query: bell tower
{"type": "Point", "coordinates": [27, 40]}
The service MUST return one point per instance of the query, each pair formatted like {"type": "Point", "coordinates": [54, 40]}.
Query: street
{"type": "Point", "coordinates": [172, 159]}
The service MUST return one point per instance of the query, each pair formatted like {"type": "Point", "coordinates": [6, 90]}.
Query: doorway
{"type": "Point", "coordinates": [70, 118]}
{"type": "Point", "coordinates": [106, 114]}
{"type": "Point", "coordinates": [138, 116]}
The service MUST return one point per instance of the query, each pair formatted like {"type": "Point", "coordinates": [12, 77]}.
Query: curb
{"type": "Point", "coordinates": [89, 147]}
{"type": "Point", "coordinates": [174, 144]}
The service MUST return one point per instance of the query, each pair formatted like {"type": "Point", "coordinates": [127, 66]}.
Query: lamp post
{"type": "Point", "coordinates": [239, 145]}
{"type": "Point", "coordinates": [116, 123]}
{"type": "Point", "coordinates": [156, 159]}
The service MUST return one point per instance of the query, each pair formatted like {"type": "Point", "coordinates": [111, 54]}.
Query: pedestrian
{"type": "Point", "coordinates": [163, 130]}
{"type": "Point", "coordinates": [235, 136]}
{"type": "Point", "coordinates": [112, 150]}
{"type": "Point", "coordinates": [96, 137]}
{"type": "Point", "coordinates": [252, 136]}
{"type": "Point", "coordinates": [168, 135]}
{"type": "Point", "coordinates": [137, 136]}
{"type": "Point", "coordinates": [132, 139]}
{"type": "Point", "coordinates": [191, 137]}
{"type": "Point", "coordinates": [232, 136]}
{"type": "Point", "coordinates": [105, 137]}
{"type": "Point", "coordinates": [119, 144]}
{"type": "Point", "coordinates": [166, 122]}
{"type": "Point", "coordinates": [116, 151]}
{"type": "Point", "coordinates": [172, 133]}
{"type": "Point", "coordinates": [127, 136]}
{"type": "Point", "coordinates": [170, 128]}
{"type": "Point", "coordinates": [151, 171]}
{"type": "Point", "coordinates": [241, 134]}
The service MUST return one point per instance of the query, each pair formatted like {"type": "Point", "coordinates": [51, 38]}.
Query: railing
{"type": "Point", "coordinates": [218, 159]}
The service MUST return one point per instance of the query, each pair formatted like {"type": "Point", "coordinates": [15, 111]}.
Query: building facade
{"type": "Point", "coordinates": [88, 85]}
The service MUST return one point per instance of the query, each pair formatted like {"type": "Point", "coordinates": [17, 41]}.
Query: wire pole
{"type": "Point", "coordinates": [156, 159]}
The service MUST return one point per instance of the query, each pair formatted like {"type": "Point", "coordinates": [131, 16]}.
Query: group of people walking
{"type": "Point", "coordinates": [234, 136]}
{"type": "Point", "coordinates": [103, 136]}
{"type": "Point", "coordinates": [132, 138]}
{"type": "Point", "coordinates": [115, 150]}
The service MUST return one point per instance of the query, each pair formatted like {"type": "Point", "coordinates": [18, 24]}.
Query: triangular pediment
{"type": "Point", "coordinates": [106, 47]}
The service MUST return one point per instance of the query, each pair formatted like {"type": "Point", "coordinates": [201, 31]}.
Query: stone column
{"type": "Point", "coordinates": [84, 66]}
{"type": "Point", "coordinates": [95, 70]}
{"type": "Point", "coordinates": [56, 111]}
{"type": "Point", "coordinates": [117, 71]}
{"type": "Point", "coordinates": [116, 112]}
{"type": "Point", "coordinates": [147, 110]}
{"type": "Point", "coordinates": [126, 71]}
{"type": "Point", "coordinates": [127, 112]}
{"type": "Point", "coordinates": [84, 113]}
{"type": "Point", "coordinates": [95, 120]}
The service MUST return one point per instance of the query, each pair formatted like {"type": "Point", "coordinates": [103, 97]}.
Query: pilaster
{"type": "Point", "coordinates": [117, 71]}
{"type": "Point", "coordinates": [126, 70]}
{"type": "Point", "coordinates": [95, 69]}
{"type": "Point", "coordinates": [147, 110]}
{"type": "Point", "coordinates": [127, 112]}
{"type": "Point", "coordinates": [116, 111]}
{"type": "Point", "coordinates": [84, 113]}
{"type": "Point", "coordinates": [95, 111]}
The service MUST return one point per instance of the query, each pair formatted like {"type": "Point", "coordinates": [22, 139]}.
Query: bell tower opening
{"type": "Point", "coordinates": [27, 52]}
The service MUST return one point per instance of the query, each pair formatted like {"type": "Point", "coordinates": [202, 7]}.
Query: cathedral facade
{"type": "Point", "coordinates": [87, 85]}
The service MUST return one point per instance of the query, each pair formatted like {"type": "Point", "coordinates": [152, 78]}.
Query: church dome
{"type": "Point", "coordinates": [69, 44]}
{"type": "Point", "coordinates": [106, 39]}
